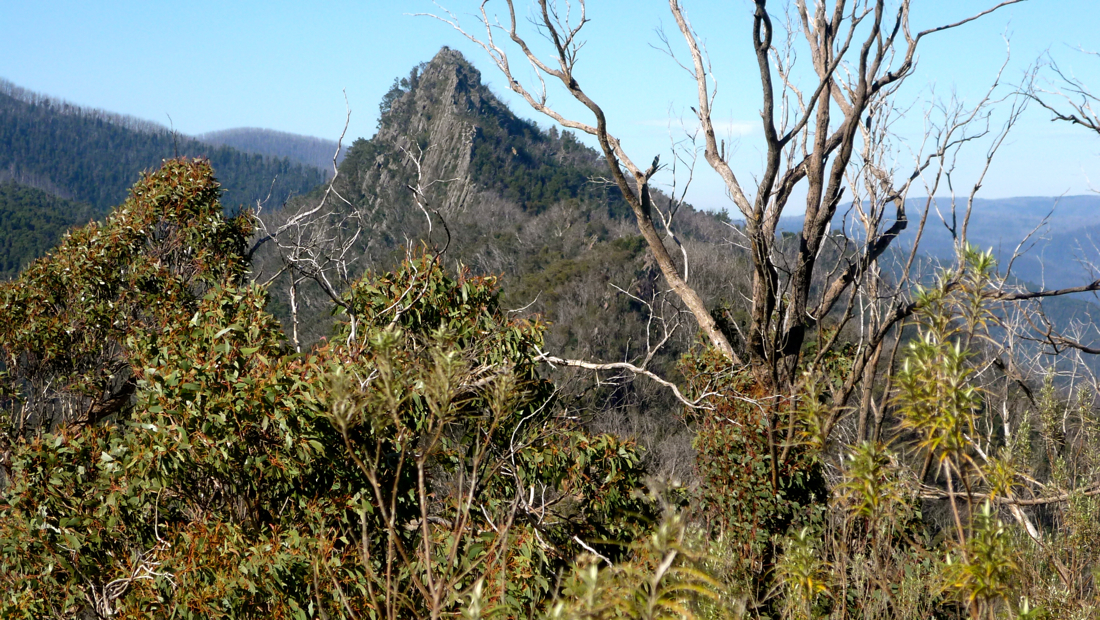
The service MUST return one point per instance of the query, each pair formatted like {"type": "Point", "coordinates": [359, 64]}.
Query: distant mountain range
{"type": "Point", "coordinates": [93, 156]}
{"type": "Point", "coordinates": [305, 150]}
{"type": "Point", "coordinates": [1064, 245]}
{"type": "Point", "coordinates": [1057, 239]}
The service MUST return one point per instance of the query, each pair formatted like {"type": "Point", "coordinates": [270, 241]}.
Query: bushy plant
{"type": "Point", "coordinates": [473, 472]}
{"type": "Point", "coordinates": [416, 454]}
{"type": "Point", "coordinates": [64, 321]}
{"type": "Point", "coordinates": [755, 482]}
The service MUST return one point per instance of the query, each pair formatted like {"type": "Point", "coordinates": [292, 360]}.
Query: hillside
{"type": "Point", "coordinates": [305, 150]}
{"type": "Point", "coordinates": [518, 202]}
{"type": "Point", "coordinates": [32, 220]}
{"type": "Point", "coordinates": [94, 157]}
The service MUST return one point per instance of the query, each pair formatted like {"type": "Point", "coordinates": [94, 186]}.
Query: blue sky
{"type": "Point", "coordinates": [283, 65]}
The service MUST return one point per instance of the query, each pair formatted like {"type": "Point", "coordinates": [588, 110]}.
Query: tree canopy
{"type": "Point", "coordinates": [168, 455]}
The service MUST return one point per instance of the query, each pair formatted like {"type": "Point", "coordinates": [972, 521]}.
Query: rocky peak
{"type": "Point", "coordinates": [442, 115]}
{"type": "Point", "coordinates": [447, 85]}
{"type": "Point", "coordinates": [432, 115]}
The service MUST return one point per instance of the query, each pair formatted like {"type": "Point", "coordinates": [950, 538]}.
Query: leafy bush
{"type": "Point", "coordinates": [64, 322]}
{"type": "Point", "coordinates": [414, 455]}
{"type": "Point", "coordinates": [436, 396]}
{"type": "Point", "coordinates": [748, 491]}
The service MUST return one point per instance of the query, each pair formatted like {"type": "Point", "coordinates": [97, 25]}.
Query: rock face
{"type": "Point", "coordinates": [443, 127]}
{"type": "Point", "coordinates": [433, 121]}
{"type": "Point", "coordinates": [430, 118]}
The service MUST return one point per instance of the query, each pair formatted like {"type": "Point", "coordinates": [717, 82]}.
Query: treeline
{"type": "Point", "coordinates": [66, 107]}
{"type": "Point", "coordinates": [94, 157]}
{"type": "Point", "coordinates": [33, 221]}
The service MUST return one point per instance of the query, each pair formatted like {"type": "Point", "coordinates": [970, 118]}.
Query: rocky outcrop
{"type": "Point", "coordinates": [433, 120]}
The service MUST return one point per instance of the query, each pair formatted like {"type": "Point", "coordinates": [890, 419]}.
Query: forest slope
{"type": "Point", "coordinates": [94, 157]}
{"type": "Point", "coordinates": [32, 220]}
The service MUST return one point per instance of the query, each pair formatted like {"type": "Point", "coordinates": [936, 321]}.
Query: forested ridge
{"type": "Point", "coordinates": [487, 371]}
{"type": "Point", "coordinates": [62, 164]}
{"type": "Point", "coordinates": [33, 221]}
{"type": "Point", "coordinates": [306, 150]}
{"type": "Point", "coordinates": [94, 157]}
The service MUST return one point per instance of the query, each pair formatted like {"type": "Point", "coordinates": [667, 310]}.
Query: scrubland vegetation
{"type": "Point", "coordinates": [463, 379]}
{"type": "Point", "coordinates": [167, 454]}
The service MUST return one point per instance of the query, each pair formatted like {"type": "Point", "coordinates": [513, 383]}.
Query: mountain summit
{"type": "Point", "coordinates": [518, 202]}
{"type": "Point", "coordinates": [443, 126]}
{"type": "Point", "coordinates": [433, 116]}
{"type": "Point", "coordinates": [525, 205]}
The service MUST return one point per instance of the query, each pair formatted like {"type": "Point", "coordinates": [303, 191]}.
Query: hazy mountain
{"type": "Point", "coordinates": [94, 156]}
{"type": "Point", "coordinates": [1062, 246]}
{"type": "Point", "coordinates": [305, 150]}
{"type": "Point", "coordinates": [1052, 255]}
{"type": "Point", "coordinates": [1057, 241]}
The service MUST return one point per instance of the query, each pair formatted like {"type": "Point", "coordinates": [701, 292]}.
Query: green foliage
{"type": "Point", "coordinates": [666, 577]}
{"type": "Point", "coordinates": [873, 486]}
{"type": "Point", "coordinates": [803, 573]}
{"type": "Point", "coordinates": [64, 322]}
{"type": "Point", "coordinates": [985, 568]}
{"type": "Point", "coordinates": [745, 489]}
{"type": "Point", "coordinates": [936, 398]}
{"type": "Point", "coordinates": [33, 222]}
{"type": "Point", "coordinates": [416, 454]}
{"type": "Point", "coordinates": [439, 404]}
{"type": "Point", "coordinates": [192, 506]}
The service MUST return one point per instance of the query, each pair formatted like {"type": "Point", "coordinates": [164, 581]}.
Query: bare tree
{"type": "Point", "coordinates": [324, 241]}
{"type": "Point", "coordinates": [1066, 97]}
{"type": "Point", "coordinates": [821, 138]}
